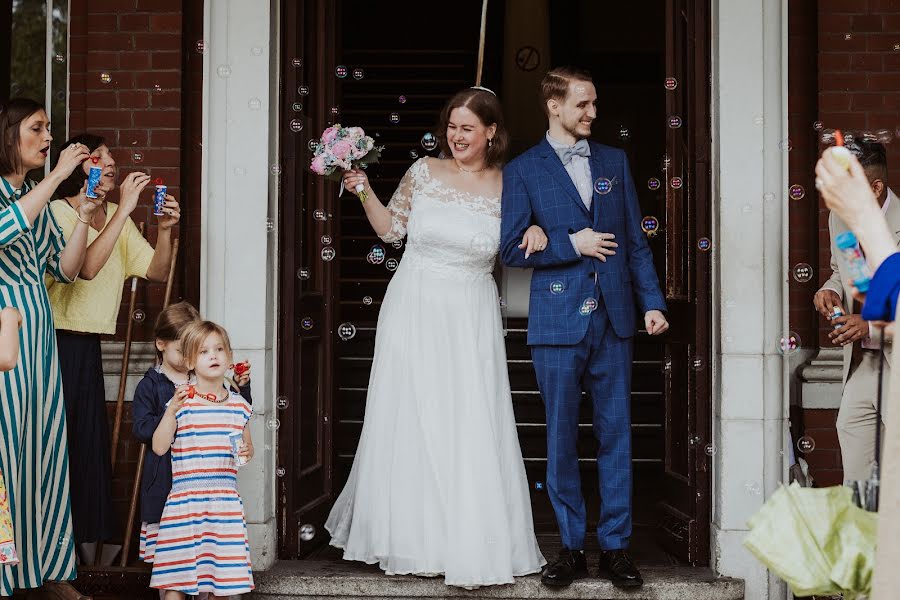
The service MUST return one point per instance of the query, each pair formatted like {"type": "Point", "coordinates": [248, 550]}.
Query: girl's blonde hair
{"type": "Point", "coordinates": [193, 336]}
{"type": "Point", "coordinates": [172, 320]}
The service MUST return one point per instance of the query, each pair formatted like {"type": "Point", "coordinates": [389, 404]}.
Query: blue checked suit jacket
{"type": "Point", "coordinates": [538, 190]}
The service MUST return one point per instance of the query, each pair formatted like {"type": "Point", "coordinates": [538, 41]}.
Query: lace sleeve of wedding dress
{"type": "Point", "coordinates": [401, 203]}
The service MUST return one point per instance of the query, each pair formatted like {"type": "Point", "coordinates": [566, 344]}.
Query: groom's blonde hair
{"type": "Point", "coordinates": [555, 84]}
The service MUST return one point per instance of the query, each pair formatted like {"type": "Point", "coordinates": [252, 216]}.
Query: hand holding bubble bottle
{"type": "Point", "coordinates": [94, 175]}
{"type": "Point", "coordinates": [850, 254]}
{"type": "Point", "coordinates": [839, 151]}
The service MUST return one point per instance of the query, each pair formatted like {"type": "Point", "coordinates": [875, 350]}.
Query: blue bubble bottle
{"type": "Point", "coordinates": [852, 257]}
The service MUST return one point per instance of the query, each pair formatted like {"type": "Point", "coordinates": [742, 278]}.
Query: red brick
{"type": "Point", "coordinates": [157, 41]}
{"type": "Point", "coordinates": [109, 6]}
{"type": "Point", "coordinates": [169, 22]}
{"type": "Point", "coordinates": [868, 23]}
{"type": "Point", "coordinates": [165, 138]}
{"type": "Point", "coordinates": [166, 99]}
{"type": "Point", "coordinates": [850, 82]}
{"type": "Point", "coordinates": [109, 118]}
{"type": "Point", "coordinates": [819, 418]}
{"type": "Point", "coordinates": [881, 42]}
{"type": "Point", "coordinates": [101, 23]}
{"type": "Point", "coordinates": [102, 61]}
{"type": "Point", "coordinates": [883, 6]}
{"type": "Point", "coordinates": [866, 102]}
{"type": "Point", "coordinates": [166, 80]}
{"type": "Point", "coordinates": [117, 42]}
{"type": "Point", "coordinates": [866, 62]}
{"type": "Point", "coordinates": [134, 22]}
{"type": "Point", "coordinates": [159, 5]}
{"type": "Point", "coordinates": [884, 82]}
{"type": "Point", "coordinates": [134, 99]}
{"type": "Point", "coordinates": [834, 101]}
{"type": "Point", "coordinates": [854, 121]}
{"type": "Point", "coordinates": [133, 138]}
{"type": "Point", "coordinates": [835, 22]}
{"type": "Point", "coordinates": [166, 60]}
{"type": "Point", "coordinates": [103, 99]}
{"type": "Point", "coordinates": [839, 42]}
{"type": "Point", "coordinates": [836, 6]}
{"type": "Point", "coordinates": [134, 61]}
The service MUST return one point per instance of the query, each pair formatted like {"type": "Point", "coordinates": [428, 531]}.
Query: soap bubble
{"type": "Point", "coordinates": [802, 272]}
{"type": "Point", "coordinates": [303, 273]}
{"type": "Point", "coordinates": [296, 125]}
{"type": "Point", "coordinates": [650, 224]}
{"type": "Point", "coordinates": [273, 424]}
{"type": "Point", "coordinates": [346, 331]}
{"type": "Point", "coordinates": [137, 156]}
{"type": "Point", "coordinates": [307, 323]}
{"type": "Point", "coordinates": [653, 183]}
{"type": "Point", "coordinates": [139, 316]}
{"type": "Point", "coordinates": [328, 253]}
{"type": "Point", "coordinates": [319, 215]}
{"type": "Point", "coordinates": [704, 244]}
{"type": "Point", "coordinates": [603, 186]}
{"type": "Point", "coordinates": [789, 343]}
{"type": "Point", "coordinates": [105, 77]}
{"type": "Point", "coordinates": [340, 71]}
{"type": "Point", "coordinates": [358, 73]}
{"type": "Point", "coordinates": [224, 71]}
{"type": "Point", "coordinates": [282, 402]}
{"type": "Point", "coordinates": [367, 300]}
{"type": "Point", "coordinates": [254, 104]}
{"type": "Point", "coordinates": [307, 532]}
{"type": "Point", "coordinates": [557, 287]}
{"type": "Point", "coordinates": [303, 90]}
{"type": "Point", "coordinates": [588, 306]}
{"type": "Point", "coordinates": [394, 118]}
{"type": "Point", "coordinates": [297, 62]}
{"type": "Point", "coordinates": [392, 264]}
{"type": "Point", "coordinates": [806, 444]}
{"type": "Point", "coordinates": [429, 141]}
{"type": "Point", "coordinates": [671, 83]}
{"type": "Point", "coordinates": [674, 122]}
{"type": "Point", "coordinates": [280, 471]}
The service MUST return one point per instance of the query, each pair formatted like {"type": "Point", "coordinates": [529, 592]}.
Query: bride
{"type": "Point", "coordinates": [438, 484]}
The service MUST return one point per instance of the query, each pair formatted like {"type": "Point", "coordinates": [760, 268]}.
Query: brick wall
{"type": "Point", "coordinates": [855, 85]}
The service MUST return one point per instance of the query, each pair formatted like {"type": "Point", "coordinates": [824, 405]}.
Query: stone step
{"type": "Point", "coordinates": [313, 580]}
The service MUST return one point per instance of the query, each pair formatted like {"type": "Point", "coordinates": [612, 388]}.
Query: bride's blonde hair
{"type": "Point", "coordinates": [486, 107]}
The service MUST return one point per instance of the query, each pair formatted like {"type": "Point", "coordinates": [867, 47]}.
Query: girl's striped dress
{"type": "Point", "coordinates": [33, 456]}
{"type": "Point", "coordinates": [202, 543]}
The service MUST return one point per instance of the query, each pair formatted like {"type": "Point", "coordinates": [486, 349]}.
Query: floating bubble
{"type": "Point", "coordinates": [397, 244]}
{"type": "Point", "coordinates": [806, 444]}
{"type": "Point", "coordinates": [710, 450]}
{"type": "Point", "coordinates": [307, 323]}
{"type": "Point", "coordinates": [200, 46]}
{"type": "Point", "coordinates": [650, 224]}
{"type": "Point", "coordinates": [279, 472]}
{"type": "Point", "coordinates": [326, 240]}
{"type": "Point", "coordinates": [105, 77]}
{"type": "Point", "coordinates": [697, 363]}
{"type": "Point", "coordinates": [588, 306]}
{"type": "Point", "coordinates": [224, 71]}
{"type": "Point", "coordinates": [802, 272]}
{"type": "Point", "coordinates": [358, 73]}
{"type": "Point", "coordinates": [273, 424]}
{"type": "Point", "coordinates": [296, 125]}
{"type": "Point", "coordinates": [367, 300]}
{"type": "Point", "coordinates": [671, 83]}
{"type": "Point", "coordinates": [394, 118]}
{"type": "Point", "coordinates": [240, 171]}
{"type": "Point", "coordinates": [676, 183]}
{"type": "Point", "coordinates": [826, 136]}
{"type": "Point", "coordinates": [752, 488]}
{"type": "Point", "coordinates": [413, 154]}
{"type": "Point", "coordinates": [139, 316]}
{"type": "Point", "coordinates": [282, 402]}
{"type": "Point", "coordinates": [303, 90]}
{"type": "Point", "coordinates": [302, 273]}
{"type": "Point", "coordinates": [429, 141]}
{"type": "Point", "coordinates": [346, 331]}
{"type": "Point", "coordinates": [818, 126]}
{"type": "Point", "coordinates": [137, 157]}
{"type": "Point", "coordinates": [319, 215]}
{"type": "Point", "coordinates": [502, 302]}
{"type": "Point", "coordinates": [603, 186]}
{"type": "Point", "coordinates": [376, 255]}
{"type": "Point", "coordinates": [340, 71]}
{"type": "Point", "coordinates": [59, 58]}
{"type": "Point", "coordinates": [789, 343]}
{"type": "Point", "coordinates": [270, 225]}
{"type": "Point", "coordinates": [157, 88]}
{"type": "Point", "coordinates": [254, 103]}
{"type": "Point", "coordinates": [786, 145]}
{"type": "Point", "coordinates": [256, 50]}
{"type": "Point", "coordinates": [335, 110]}
{"type": "Point", "coordinates": [307, 532]}
{"type": "Point", "coordinates": [674, 122]}
{"type": "Point", "coordinates": [391, 264]}
{"type": "Point", "coordinates": [848, 37]}
{"type": "Point", "coordinates": [557, 287]}
{"type": "Point", "coordinates": [624, 134]}
{"type": "Point", "coordinates": [275, 170]}
{"type": "Point", "coordinates": [704, 244]}
{"type": "Point", "coordinates": [884, 136]}
{"type": "Point", "coordinates": [796, 192]}
{"type": "Point", "coordinates": [653, 183]}
{"type": "Point", "coordinates": [666, 365]}
{"type": "Point", "coordinates": [297, 107]}
{"type": "Point", "coordinates": [328, 254]}
{"type": "Point", "coordinates": [402, 99]}
{"type": "Point", "coordinates": [313, 145]}
{"type": "Point", "coordinates": [896, 47]}
{"type": "Point", "coordinates": [297, 62]}
{"type": "Point", "coordinates": [539, 486]}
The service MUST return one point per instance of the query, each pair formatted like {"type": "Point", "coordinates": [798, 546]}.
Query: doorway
{"type": "Point", "coordinates": [389, 71]}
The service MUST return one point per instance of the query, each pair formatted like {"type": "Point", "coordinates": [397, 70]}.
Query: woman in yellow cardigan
{"type": "Point", "coordinates": [87, 309]}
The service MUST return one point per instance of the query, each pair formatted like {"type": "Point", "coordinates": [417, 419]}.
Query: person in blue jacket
{"type": "Point", "coordinates": [148, 407]}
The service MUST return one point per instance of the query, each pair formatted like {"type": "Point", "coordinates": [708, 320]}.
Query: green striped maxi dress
{"type": "Point", "coordinates": [33, 453]}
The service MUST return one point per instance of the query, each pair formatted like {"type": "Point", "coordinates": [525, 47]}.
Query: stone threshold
{"type": "Point", "coordinates": [311, 579]}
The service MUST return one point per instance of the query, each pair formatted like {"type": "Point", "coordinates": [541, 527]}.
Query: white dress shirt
{"type": "Point", "coordinates": [579, 170]}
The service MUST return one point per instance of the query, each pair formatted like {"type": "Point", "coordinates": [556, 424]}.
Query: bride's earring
{"type": "Point", "coordinates": [490, 142]}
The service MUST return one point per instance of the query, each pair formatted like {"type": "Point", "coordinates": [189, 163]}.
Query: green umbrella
{"type": "Point", "coordinates": [816, 539]}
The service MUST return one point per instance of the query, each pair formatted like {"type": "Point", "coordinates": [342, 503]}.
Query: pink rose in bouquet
{"type": "Point", "coordinates": [341, 149]}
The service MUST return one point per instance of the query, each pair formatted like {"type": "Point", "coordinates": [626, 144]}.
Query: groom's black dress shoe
{"type": "Point", "coordinates": [568, 566]}
{"type": "Point", "coordinates": [616, 566]}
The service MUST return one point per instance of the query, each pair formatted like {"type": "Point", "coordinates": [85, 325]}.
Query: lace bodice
{"type": "Point", "coordinates": [449, 231]}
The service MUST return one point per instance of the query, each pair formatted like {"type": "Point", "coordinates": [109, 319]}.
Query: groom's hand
{"type": "Point", "coordinates": [655, 322]}
{"type": "Point", "coordinates": [599, 245]}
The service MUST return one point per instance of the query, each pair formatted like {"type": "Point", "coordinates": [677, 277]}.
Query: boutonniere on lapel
{"type": "Point", "coordinates": [603, 186]}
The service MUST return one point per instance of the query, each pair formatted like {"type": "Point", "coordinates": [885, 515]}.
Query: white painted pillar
{"type": "Point", "coordinates": [749, 95]}
{"type": "Point", "coordinates": [238, 270]}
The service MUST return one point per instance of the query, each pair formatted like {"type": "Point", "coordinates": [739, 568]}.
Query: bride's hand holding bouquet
{"type": "Point", "coordinates": [342, 151]}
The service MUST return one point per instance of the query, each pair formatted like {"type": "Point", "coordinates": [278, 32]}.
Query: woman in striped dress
{"type": "Point", "coordinates": [33, 455]}
{"type": "Point", "coordinates": [202, 544]}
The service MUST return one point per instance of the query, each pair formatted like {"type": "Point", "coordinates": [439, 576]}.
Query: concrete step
{"type": "Point", "coordinates": [310, 579]}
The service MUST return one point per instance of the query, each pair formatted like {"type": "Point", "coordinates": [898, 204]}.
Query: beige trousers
{"type": "Point", "coordinates": [857, 416]}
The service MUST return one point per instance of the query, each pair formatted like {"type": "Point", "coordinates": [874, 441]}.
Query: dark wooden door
{"type": "Point", "coordinates": [684, 527]}
{"type": "Point", "coordinates": [307, 282]}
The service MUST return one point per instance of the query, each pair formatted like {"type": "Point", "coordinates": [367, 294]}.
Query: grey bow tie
{"type": "Point", "coordinates": [581, 148]}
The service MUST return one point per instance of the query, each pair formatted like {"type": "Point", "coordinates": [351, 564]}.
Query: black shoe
{"type": "Point", "coordinates": [616, 565]}
{"type": "Point", "coordinates": [568, 566]}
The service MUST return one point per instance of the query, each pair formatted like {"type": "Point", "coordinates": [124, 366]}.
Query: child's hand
{"type": "Point", "coordinates": [10, 315]}
{"type": "Point", "coordinates": [242, 373]}
{"type": "Point", "coordinates": [246, 449]}
{"type": "Point", "coordinates": [181, 394]}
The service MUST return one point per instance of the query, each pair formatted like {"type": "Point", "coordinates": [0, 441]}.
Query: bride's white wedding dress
{"type": "Point", "coordinates": [438, 484]}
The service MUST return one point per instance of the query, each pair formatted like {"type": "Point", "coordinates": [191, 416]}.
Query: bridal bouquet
{"type": "Point", "coordinates": [341, 149]}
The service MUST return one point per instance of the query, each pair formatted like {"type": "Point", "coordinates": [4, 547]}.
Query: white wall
{"type": "Point", "coordinates": [238, 265]}
{"type": "Point", "coordinates": [749, 96]}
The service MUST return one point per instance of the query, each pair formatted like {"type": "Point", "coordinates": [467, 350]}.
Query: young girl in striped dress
{"type": "Point", "coordinates": [202, 544]}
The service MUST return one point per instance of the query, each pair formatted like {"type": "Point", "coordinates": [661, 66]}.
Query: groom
{"type": "Point", "coordinates": [581, 318]}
